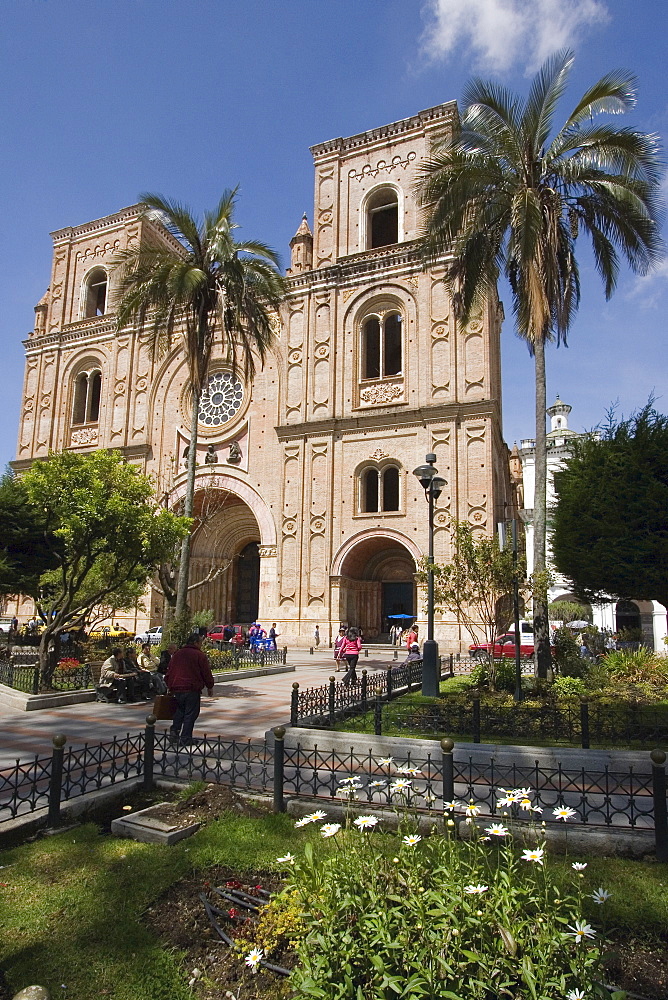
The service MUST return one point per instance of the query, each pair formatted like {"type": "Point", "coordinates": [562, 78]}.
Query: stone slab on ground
{"type": "Point", "coordinates": [147, 828]}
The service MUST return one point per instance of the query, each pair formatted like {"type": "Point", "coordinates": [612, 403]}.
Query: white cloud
{"type": "Point", "coordinates": [499, 34]}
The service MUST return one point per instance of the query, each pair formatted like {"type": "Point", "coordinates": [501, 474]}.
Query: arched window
{"type": "Point", "coordinates": [379, 490]}
{"type": "Point", "coordinates": [95, 293]}
{"type": "Point", "coordinates": [381, 346]}
{"type": "Point", "coordinates": [370, 491]}
{"type": "Point", "coordinates": [86, 404]}
{"type": "Point", "coordinates": [382, 218]}
{"type": "Point", "coordinates": [391, 488]}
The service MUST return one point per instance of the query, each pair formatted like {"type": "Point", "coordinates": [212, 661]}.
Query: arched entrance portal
{"type": "Point", "coordinates": [376, 580]}
{"type": "Point", "coordinates": [225, 560]}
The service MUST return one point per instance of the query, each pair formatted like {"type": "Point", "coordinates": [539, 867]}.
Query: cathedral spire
{"type": "Point", "coordinates": [301, 246]}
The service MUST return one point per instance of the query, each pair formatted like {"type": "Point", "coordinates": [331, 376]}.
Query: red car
{"type": "Point", "coordinates": [504, 645]}
{"type": "Point", "coordinates": [215, 633]}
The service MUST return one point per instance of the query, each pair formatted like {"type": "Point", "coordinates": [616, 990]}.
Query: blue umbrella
{"type": "Point", "coordinates": [400, 616]}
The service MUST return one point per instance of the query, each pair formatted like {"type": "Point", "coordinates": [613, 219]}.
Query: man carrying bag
{"type": "Point", "coordinates": [187, 675]}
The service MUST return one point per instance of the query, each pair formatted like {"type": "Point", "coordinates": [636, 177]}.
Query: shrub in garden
{"type": "Point", "coordinates": [220, 659]}
{"type": "Point", "coordinates": [569, 687]}
{"type": "Point", "coordinates": [409, 916]}
{"type": "Point", "coordinates": [637, 665]}
{"type": "Point", "coordinates": [68, 663]}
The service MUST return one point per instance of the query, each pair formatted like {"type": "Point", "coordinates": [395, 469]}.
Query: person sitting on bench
{"type": "Point", "coordinates": [115, 673]}
{"type": "Point", "coordinates": [414, 654]}
{"type": "Point", "coordinates": [143, 679]}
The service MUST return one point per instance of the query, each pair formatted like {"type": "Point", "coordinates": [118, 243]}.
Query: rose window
{"type": "Point", "coordinates": [220, 400]}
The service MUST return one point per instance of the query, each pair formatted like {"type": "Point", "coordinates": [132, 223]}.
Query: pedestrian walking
{"type": "Point", "coordinates": [350, 652]}
{"type": "Point", "coordinates": [187, 676]}
{"type": "Point", "coordinates": [338, 643]}
{"type": "Point", "coordinates": [273, 636]}
{"type": "Point", "coordinates": [316, 636]}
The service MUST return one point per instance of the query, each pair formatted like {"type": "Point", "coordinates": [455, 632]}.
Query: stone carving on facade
{"type": "Point", "coordinates": [381, 393]}
{"type": "Point", "coordinates": [211, 456]}
{"type": "Point", "coordinates": [186, 452]}
{"type": "Point", "coordinates": [382, 166]}
{"type": "Point", "coordinates": [267, 551]}
{"type": "Point", "coordinates": [84, 435]}
{"type": "Point", "coordinates": [378, 454]}
{"type": "Point", "coordinates": [234, 455]}
{"type": "Point", "coordinates": [289, 527]}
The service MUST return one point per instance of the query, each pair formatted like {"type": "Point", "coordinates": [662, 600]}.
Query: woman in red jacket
{"type": "Point", "coordinates": [350, 651]}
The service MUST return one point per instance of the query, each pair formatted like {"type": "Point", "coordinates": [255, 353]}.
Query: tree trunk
{"type": "Point", "coordinates": [184, 562]}
{"type": "Point", "coordinates": [541, 627]}
{"type": "Point", "coordinates": [48, 656]}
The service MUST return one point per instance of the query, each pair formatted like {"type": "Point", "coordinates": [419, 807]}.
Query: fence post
{"type": "Point", "coordinates": [366, 652]}
{"type": "Point", "coordinates": [149, 750]}
{"type": "Point", "coordinates": [285, 655]}
{"type": "Point", "coordinates": [294, 704]}
{"type": "Point", "coordinates": [262, 657]}
{"type": "Point", "coordinates": [659, 796]}
{"type": "Point", "coordinates": [331, 699]}
{"type": "Point", "coordinates": [476, 718]}
{"type": "Point", "coordinates": [365, 681]}
{"type": "Point", "coordinates": [279, 760]}
{"type": "Point", "coordinates": [410, 678]}
{"type": "Point", "coordinates": [35, 680]}
{"type": "Point", "coordinates": [56, 780]}
{"type": "Point", "coordinates": [452, 664]}
{"type": "Point", "coordinates": [311, 650]}
{"type": "Point", "coordinates": [396, 655]}
{"type": "Point", "coordinates": [388, 674]}
{"type": "Point", "coordinates": [447, 747]}
{"type": "Point", "coordinates": [378, 714]}
{"type": "Point", "coordinates": [584, 724]}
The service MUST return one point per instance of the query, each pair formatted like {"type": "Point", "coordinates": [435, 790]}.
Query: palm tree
{"type": "Point", "coordinates": [207, 287]}
{"type": "Point", "coordinates": [506, 195]}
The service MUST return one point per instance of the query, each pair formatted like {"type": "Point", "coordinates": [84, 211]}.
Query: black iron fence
{"type": "Point", "coordinates": [431, 781]}
{"type": "Point", "coordinates": [236, 658]}
{"type": "Point", "coordinates": [25, 677]}
{"type": "Point", "coordinates": [582, 724]}
{"type": "Point", "coordinates": [323, 706]}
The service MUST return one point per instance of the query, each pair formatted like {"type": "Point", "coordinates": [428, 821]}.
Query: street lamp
{"type": "Point", "coordinates": [432, 484]}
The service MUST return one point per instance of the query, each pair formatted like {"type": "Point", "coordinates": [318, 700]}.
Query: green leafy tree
{"type": "Point", "coordinates": [476, 585]}
{"type": "Point", "coordinates": [26, 545]}
{"type": "Point", "coordinates": [109, 535]}
{"type": "Point", "coordinates": [610, 519]}
{"type": "Point", "coordinates": [508, 194]}
{"type": "Point", "coordinates": [205, 287]}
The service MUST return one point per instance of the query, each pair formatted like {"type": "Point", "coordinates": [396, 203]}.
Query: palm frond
{"type": "Point", "coordinates": [547, 88]}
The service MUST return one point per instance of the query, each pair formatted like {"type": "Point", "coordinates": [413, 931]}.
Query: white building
{"type": "Point", "coordinates": [650, 616]}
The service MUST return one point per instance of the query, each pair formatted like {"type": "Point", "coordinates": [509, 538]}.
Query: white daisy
{"type": "Point", "coordinates": [385, 761]}
{"type": "Point", "coordinates": [401, 785]}
{"type": "Point", "coordinates": [450, 806]}
{"type": "Point", "coordinates": [475, 890]}
{"type": "Point", "coordinates": [472, 809]}
{"type": "Point", "coordinates": [579, 866]}
{"type": "Point", "coordinates": [377, 784]}
{"type": "Point", "coordinates": [411, 839]}
{"type": "Point", "coordinates": [535, 855]}
{"type": "Point", "coordinates": [600, 895]}
{"type": "Point", "coordinates": [289, 859]}
{"type": "Point", "coordinates": [564, 812]}
{"type": "Point", "coordinates": [524, 793]}
{"type": "Point", "coordinates": [329, 829]}
{"type": "Point", "coordinates": [581, 931]}
{"type": "Point", "coordinates": [253, 959]}
{"type": "Point", "coordinates": [497, 830]}
{"type": "Point", "coordinates": [576, 995]}
{"type": "Point", "coordinates": [366, 822]}
{"type": "Point", "coordinates": [304, 821]}
{"type": "Point", "coordinates": [412, 772]}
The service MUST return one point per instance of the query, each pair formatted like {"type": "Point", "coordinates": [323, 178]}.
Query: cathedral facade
{"type": "Point", "coordinates": [311, 514]}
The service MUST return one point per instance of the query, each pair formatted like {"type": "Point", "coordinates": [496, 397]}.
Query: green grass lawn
{"type": "Point", "coordinates": [72, 914]}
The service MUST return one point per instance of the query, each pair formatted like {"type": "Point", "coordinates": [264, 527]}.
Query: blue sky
{"type": "Point", "coordinates": [104, 99]}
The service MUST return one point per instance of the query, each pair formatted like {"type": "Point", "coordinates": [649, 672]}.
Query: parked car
{"type": "Point", "coordinates": [215, 633]}
{"type": "Point", "coordinates": [110, 632]}
{"type": "Point", "coordinates": [152, 635]}
{"type": "Point", "coordinates": [504, 646]}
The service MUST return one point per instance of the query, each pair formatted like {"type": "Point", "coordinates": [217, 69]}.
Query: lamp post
{"type": "Point", "coordinates": [432, 484]}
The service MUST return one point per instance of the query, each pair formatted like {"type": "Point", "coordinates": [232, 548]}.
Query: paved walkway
{"type": "Point", "coordinates": [241, 710]}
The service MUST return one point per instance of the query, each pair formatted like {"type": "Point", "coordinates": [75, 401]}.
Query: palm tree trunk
{"type": "Point", "coordinates": [541, 628]}
{"type": "Point", "coordinates": [184, 562]}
